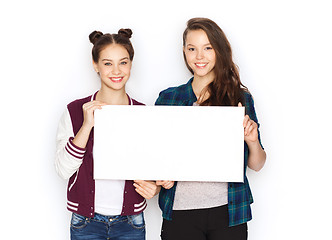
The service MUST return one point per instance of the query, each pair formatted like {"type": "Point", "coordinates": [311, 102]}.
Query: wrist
{"type": "Point", "coordinates": [86, 127]}
{"type": "Point", "coordinates": [82, 136]}
{"type": "Point", "coordinates": [253, 144]}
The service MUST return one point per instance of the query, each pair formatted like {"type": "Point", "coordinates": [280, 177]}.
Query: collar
{"type": "Point", "coordinates": [93, 97]}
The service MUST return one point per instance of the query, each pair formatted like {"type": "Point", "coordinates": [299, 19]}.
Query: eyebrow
{"type": "Point", "coordinates": [189, 44]}
{"type": "Point", "coordinates": [110, 60]}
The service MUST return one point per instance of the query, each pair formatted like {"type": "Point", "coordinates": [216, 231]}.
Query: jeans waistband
{"type": "Point", "coordinates": [108, 219]}
{"type": "Point", "coordinates": [104, 218]}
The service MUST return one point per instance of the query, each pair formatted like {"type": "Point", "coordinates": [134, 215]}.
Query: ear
{"type": "Point", "coordinates": [95, 66]}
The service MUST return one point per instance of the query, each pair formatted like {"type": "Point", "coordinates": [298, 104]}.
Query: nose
{"type": "Point", "coordinates": [199, 54]}
{"type": "Point", "coordinates": [116, 70]}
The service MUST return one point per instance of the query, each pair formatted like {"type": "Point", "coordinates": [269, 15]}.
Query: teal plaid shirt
{"type": "Point", "coordinates": [239, 194]}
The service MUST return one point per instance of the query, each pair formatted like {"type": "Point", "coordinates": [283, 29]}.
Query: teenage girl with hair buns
{"type": "Point", "coordinates": [102, 209]}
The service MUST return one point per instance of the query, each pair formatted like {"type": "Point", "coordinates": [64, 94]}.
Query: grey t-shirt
{"type": "Point", "coordinates": [198, 195]}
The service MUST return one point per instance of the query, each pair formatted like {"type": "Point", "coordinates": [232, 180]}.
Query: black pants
{"type": "Point", "coordinates": [202, 224]}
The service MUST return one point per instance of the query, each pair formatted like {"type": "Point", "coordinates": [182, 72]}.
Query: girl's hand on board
{"type": "Point", "coordinates": [147, 189]}
{"type": "Point", "coordinates": [88, 112]}
{"type": "Point", "coordinates": [250, 129]}
{"type": "Point", "coordinates": [165, 184]}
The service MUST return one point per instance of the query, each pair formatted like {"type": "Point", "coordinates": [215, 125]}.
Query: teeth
{"type": "Point", "coordinates": [201, 64]}
{"type": "Point", "coordinates": [116, 79]}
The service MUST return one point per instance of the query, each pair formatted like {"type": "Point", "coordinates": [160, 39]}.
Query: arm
{"type": "Point", "coordinates": [70, 150]}
{"type": "Point", "coordinates": [257, 155]}
{"type": "Point", "coordinates": [82, 136]}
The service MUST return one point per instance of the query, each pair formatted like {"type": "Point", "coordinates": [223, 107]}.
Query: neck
{"type": "Point", "coordinates": [200, 85]}
{"type": "Point", "coordinates": [112, 97]}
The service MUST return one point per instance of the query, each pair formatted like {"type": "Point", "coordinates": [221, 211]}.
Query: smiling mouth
{"type": "Point", "coordinates": [116, 79]}
{"type": "Point", "coordinates": [201, 65]}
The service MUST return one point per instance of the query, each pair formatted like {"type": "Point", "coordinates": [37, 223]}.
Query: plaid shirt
{"type": "Point", "coordinates": [239, 194]}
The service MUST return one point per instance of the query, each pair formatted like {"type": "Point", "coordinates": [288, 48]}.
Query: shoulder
{"type": "Point", "coordinates": [249, 100]}
{"type": "Point", "coordinates": [174, 95]}
{"type": "Point", "coordinates": [171, 91]}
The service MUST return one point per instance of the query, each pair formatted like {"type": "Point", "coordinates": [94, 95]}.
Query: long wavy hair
{"type": "Point", "coordinates": [226, 89]}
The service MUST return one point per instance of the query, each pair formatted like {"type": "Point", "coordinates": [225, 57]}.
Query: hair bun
{"type": "Point", "coordinates": [94, 36]}
{"type": "Point", "coordinates": [125, 32]}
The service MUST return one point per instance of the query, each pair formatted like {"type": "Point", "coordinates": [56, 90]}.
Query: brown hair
{"type": "Point", "coordinates": [100, 41]}
{"type": "Point", "coordinates": [226, 89]}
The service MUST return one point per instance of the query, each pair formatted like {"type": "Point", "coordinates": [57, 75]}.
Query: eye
{"type": "Point", "coordinates": [208, 48]}
{"type": "Point", "coordinates": [124, 63]}
{"type": "Point", "coordinates": [108, 64]}
{"type": "Point", "coordinates": [191, 49]}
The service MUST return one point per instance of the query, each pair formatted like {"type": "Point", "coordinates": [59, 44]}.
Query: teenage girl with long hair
{"type": "Point", "coordinates": [210, 210]}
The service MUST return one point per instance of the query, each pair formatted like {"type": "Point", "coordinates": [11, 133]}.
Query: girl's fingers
{"type": "Point", "coordinates": [140, 190]}
{"type": "Point", "coordinates": [159, 182]}
{"type": "Point", "coordinates": [165, 184]}
{"type": "Point", "coordinates": [245, 121]}
{"type": "Point", "coordinates": [144, 184]}
{"type": "Point", "coordinates": [88, 111]}
{"type": "Point", "coordinates": [168, 185]}
{"type": "Point", "coordinates": [147, 185]}
{"type": "Point", "coordinates": [92, 106]}
{"type": "Point", "coordinates": [252, 127]}
{"type": "Point", "coordinates": [249, 127]}
{"type": "Point", "coordinates": [93, 103]}
{"type": "Point", "coordinates": [145, 189]}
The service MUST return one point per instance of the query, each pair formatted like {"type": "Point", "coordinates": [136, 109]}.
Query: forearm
{"type": "Point", "coordinates": [257, 156]}
{"type": "Point", "coordinates": [82, 136]}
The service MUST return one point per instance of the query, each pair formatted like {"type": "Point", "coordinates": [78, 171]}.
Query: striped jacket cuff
{"type": "Point", "coordinates": [74, 150]}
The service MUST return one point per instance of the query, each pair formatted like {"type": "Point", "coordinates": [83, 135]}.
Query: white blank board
{"type": "Point", "coordinates": [181, 143]}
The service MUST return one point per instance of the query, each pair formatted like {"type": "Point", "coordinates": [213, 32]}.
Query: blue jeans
{"type": "Point", "coordinates": [107, 227]}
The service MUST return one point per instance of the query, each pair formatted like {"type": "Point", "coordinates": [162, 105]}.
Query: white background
{"type": "Point", "coordinates": [283, 49]}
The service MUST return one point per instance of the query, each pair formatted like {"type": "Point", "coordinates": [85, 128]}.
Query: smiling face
{"type": "Point", "coordinates": [113, 67]}
{"type": "Point", "coordinates": [200, 55]}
